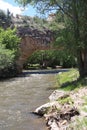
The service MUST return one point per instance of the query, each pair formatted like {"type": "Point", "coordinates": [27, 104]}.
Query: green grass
{"type": "Point", "coordinates": [85, 100]}
{"type": "Point", "coordinates": [69, 76]}
{"type": "Point", "coordinates": [69, 81]}
{"type": "Point", "coordinates": [82, 121]}
{"type": "Point", "coordinates": [78, 124]}
{"type": "Point", "coordinates": [67, 100]}
{"type": "Point", "coordinates": [32, 66]}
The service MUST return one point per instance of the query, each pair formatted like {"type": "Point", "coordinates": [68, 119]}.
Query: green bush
{"type": "Point", "coordinates": [52, 58]}
{"type": "Point", "coordinates": [8, 52]}
{"type": "Point", "coordinates": [6, 58]}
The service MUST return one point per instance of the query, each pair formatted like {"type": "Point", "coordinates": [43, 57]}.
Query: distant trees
{"type": "Point", "coordinates": [51, 58]}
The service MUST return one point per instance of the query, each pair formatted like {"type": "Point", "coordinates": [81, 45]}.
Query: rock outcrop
{"type": "Point", "coordinates": [33, 38]}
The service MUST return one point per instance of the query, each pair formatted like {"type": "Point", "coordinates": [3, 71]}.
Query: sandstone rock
{"type": "Point", "coordinates": [58, 94]}
{"type": "Point", "coordinates": [45, 108]}
{"type": "Point", "coordinates": [82, 113]}
{"type": "Point", "coordinates": [53, 125]}
{"type": "Point", "coordinates": [33, 36]}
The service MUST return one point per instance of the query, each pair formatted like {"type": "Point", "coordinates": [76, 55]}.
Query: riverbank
{"type": "Point", "coordinates": [67, 107]}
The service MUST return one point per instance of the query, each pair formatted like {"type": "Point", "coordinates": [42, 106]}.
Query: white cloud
{"type": "Point", "coordinates": [13, 9]}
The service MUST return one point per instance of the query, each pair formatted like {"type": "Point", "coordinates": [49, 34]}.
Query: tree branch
{"type": "Point", "coordinates": [62, 9]}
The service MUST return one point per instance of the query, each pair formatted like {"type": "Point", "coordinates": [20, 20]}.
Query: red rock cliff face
{"type": "Point", "coordinates": [34, 34]}
{"type": "Point", "coordinates": [31, 41]}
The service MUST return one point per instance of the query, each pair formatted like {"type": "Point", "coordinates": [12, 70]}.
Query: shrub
{"type": "Point", "coordinates": [8, 52]}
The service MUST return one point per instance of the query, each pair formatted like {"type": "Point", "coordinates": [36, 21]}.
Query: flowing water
{"type": "Point", "coordinates": [20, 96]}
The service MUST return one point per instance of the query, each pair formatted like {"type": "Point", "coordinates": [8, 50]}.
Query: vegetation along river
{"type": "Point", "coordinates": [20, 96]}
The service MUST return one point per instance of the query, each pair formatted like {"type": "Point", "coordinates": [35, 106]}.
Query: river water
{"type": "Point", "coordinates": [20, 96]}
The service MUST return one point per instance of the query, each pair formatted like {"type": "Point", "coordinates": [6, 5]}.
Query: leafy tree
{"type": "Point", "coordinates": [8, 52]}
{"type": "Point", "coordinates": [6, 57]}
{"type": "Point", "coordinates": [75, 32]}
{"type": "Point", "coordinates": [9, 39]}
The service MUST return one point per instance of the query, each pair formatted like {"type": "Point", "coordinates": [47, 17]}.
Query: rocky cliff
{"type": "Point", "coordinates": [34, 34]}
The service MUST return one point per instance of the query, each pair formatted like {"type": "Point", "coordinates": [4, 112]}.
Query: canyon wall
{"type": "Point", "coordinates": [31, 41]}
{"type": "Point", "coordinates": [34, 34]}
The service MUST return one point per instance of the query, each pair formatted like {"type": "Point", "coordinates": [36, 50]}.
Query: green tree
{"type": "Point", "coordinates": [8, 52]}
{"type": "Point", "coordinates": [51, 58]}
{"type": "Point", "coordinates": [75, 20]}
{"type": "Point", "coordinates": [6, 57]}
{"type": "Point", "coordinates": [9, 38]}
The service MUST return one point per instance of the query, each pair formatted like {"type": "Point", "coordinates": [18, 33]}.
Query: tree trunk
{"type": "Point", "coordinates": [77, 36]}
{"type": "Point", "coordinates": [85, 63]}
{"type": "Point", "coordinates": [82, 63]}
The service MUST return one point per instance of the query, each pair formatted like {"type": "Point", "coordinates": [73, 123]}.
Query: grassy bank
{"type": "Point", "coordinates": [69, 81]}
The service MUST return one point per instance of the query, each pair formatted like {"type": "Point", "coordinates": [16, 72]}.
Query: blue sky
{"type": "Point", "coordinates": [15, 9]}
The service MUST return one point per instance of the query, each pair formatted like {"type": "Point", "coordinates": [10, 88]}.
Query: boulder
{"type": "Point", "coordinates": [46, 108]}
{"type": "Point", "coordinates": [58, 94]}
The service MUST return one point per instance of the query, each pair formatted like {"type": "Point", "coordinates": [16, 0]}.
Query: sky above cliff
{"type": "Point", "coordinates": [15, 9]}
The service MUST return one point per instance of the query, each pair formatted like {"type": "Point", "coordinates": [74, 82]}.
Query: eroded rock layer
{"type": "Point", "coordinates": [32, 38]}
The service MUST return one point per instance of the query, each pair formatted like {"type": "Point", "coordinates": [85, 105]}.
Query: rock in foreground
{"type": "Point", "coordinates": [61, 112]}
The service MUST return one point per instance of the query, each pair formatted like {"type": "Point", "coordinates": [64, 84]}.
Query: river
{"type": "Point", "coordinates": [20, 96]}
